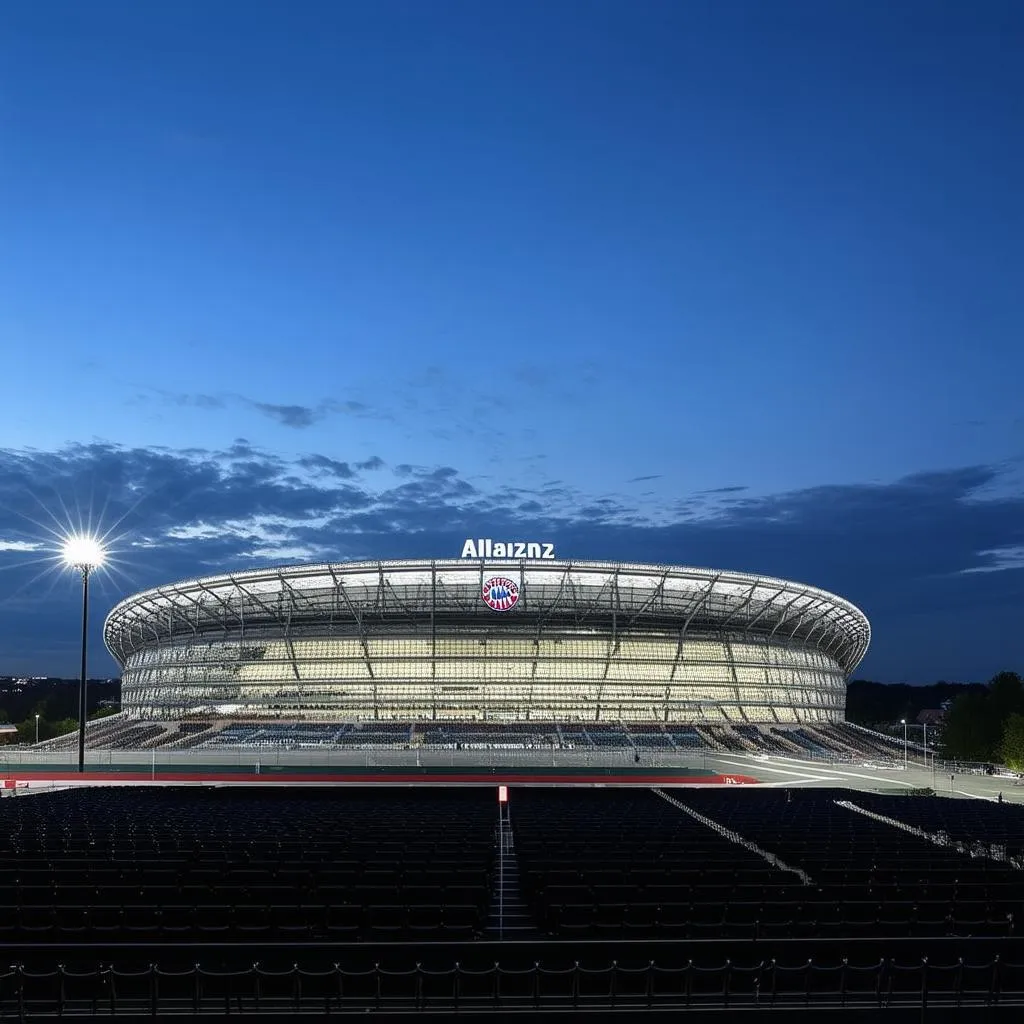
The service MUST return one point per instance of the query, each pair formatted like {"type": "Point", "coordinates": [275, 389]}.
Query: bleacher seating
{"type": "Point", "coordinates": [864, 740]}
{"type": "Point", "coordinates": [118, 864]}
{"type": "Point", "coordinates": [721, 737]}
{"type": "Point", "coordinates": [962, 821]}
{"type": "Point", "coordinates": [470, 735]}
{"type": "Point", "coordinates": [868, 877]}
{"type": "Point", "coordinates": [766, 741]}
{"type": "Point", "coordinates": [397, 886]}
{"type": "Point", "coordinates": [606, 863]}
{"type": "Point", "coordinates": [819, 742]}
{"type": "Point", "coordinates": [686, 737]}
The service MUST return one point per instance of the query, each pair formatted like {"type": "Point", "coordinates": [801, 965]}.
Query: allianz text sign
{"type": "Point", "coordinates": [487, 548]}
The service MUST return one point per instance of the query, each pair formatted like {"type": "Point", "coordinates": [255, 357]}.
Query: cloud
{"type": "Point", "coordinates": [199, 401]}
{"type": "Point", "coordinates": [935, 559]}
{"type": "Point", "coordinates": [640, 479]}
{"type": "Point", "coordinates": [298, 416]}
{"type": "Point", "coordinates": [301, 416]}
{"type": "Point", "coordinates": [20, 545]}
{"type": "Point", "coordinates": [724, 490]}
{"type": "Point", "coordinates": [1000, 559]}
{"type": "Point", "coordinates": [331, 467]}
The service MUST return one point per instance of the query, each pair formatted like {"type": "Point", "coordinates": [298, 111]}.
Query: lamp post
{"type": "Point", "coordinates": [903, 722]}
{"type": "Point", "coordinates": [37, 730]}
{"type": "Point", "coordinates": [84, 554]}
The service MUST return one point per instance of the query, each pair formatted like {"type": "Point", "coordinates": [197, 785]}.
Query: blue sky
{"type": "Point", "coordinates": [569, 268]}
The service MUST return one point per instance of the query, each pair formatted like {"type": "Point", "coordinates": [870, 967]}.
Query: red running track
{"type": "Point", "coordinates": [376, 779]}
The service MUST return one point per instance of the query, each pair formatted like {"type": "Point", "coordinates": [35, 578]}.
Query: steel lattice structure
{"type": "Point", "coordinates": [414, 639]}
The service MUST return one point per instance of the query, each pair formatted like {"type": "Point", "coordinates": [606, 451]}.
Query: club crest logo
{"type": "Point", "coordinates": [500, 593]}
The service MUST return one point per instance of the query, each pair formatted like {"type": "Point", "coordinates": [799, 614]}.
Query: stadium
{"type": "Point", "coordinates": [488, 785]}
{"type": "Point", "coordinates": [494, 648]}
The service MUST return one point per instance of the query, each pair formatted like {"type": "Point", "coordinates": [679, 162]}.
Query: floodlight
{"type": "Point", "coordinates": [83, 552]}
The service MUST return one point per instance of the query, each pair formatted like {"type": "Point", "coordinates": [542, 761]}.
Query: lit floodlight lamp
{"type": "Point", "coordinates": [80, 551]}
{"type": "Point", "coordinates": [84, 553]}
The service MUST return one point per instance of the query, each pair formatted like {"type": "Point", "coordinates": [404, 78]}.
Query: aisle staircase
{"type": "Point", "coordinates": [509, 917]}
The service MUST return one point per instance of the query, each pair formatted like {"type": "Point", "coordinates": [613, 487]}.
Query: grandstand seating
{"type": "Point", "coordinates": [859, 739]}
{"type": "Point", "coordinates": [187, 865]}
{"type": "Point", "coordinates": [604, 863]}
{"type": "Point", "coordinates": [821, 742]}
{"type": "Point", "coordinates": [867, 876]}
{"type": "Point", "coordinates": [613, 863]}
{"type": "Point", "coordinates": [969, 822]}
{"type": "Point", "coordinates": [271, 873]}
{"type": "Point", "coordinates": [120, 864]}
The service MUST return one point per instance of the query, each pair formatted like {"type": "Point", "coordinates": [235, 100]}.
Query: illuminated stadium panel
{"type": "Point", "coordinates": [414, 640]}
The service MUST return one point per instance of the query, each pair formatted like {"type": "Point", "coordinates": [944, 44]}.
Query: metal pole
{"type": "Point", "coordinates": [904, 744]}
{"type": "Point", "coordinates": [925, 724]}
{"type": "Point", "coordinates": [81, 688]}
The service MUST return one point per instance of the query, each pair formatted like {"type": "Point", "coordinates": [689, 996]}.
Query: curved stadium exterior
{"type": "Point", "coordinates": [487, 640]}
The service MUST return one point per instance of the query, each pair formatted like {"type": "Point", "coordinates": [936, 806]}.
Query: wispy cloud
{"type": "Point", "coordinates": [297, 416]}
{"type": "Point", "coordinates": [292, 415]}
{"type": "Point", "coordinates": [1000, 559]}
{"type": "Point", "coordinates": [924, 548]}
{"type": "Point", "coordinates": [20, 545]}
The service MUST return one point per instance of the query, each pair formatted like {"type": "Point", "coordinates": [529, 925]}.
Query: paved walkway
{"type": "Point", "coordinates": [783, 771]}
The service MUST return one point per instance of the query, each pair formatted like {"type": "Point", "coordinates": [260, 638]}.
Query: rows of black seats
{"type": "Point", "coordinates": [195, 864]}
{"type": "Point", "coordinates": [910, 885]}
{"type": "Point", "coordinates": [602, 863]}
{"type": "Point", "coordinates": [190, 864]}
{"type": "Point", "coordinates": [620, 863]}
{"type": "Point", "coordinates": [964, 821]}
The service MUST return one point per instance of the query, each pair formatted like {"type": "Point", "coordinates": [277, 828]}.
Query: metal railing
{"type": "Point", "coordinates": [332, 988]}
{"type": "Point", "coordinates": [265, 759]}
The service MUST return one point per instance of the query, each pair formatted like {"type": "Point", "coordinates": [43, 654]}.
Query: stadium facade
{"type": "Point", "coordinates": [484, 639]}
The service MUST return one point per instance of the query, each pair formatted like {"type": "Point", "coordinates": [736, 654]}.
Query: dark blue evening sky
{"type": "Point", "coordinates": [358, 279]}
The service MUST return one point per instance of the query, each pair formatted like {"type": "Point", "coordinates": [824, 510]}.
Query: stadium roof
{"type": "Point", "coordinates": [415, 592]}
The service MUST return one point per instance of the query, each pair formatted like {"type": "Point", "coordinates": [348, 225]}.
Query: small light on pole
{"type": "Point", "coordinates": [903, 722]}
{"type": "Point", "coordinates": [37, 730]}
{"type": "Point", "coordinates": [83, 553]}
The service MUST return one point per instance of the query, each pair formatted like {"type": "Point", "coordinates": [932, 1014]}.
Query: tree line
{"type": "Point", "coordinates": [987, 723]}
{"type": "Point", "coordinates": [55, 701]}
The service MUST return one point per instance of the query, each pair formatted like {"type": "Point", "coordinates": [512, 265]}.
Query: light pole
{"type": "Point", "coordinates": [37, 730]}
{"type": "Point", "coordinates": [903, 722]}
{"type": "Point", "coordinates": [83, 553]}
{"type": "Point", "coordinates": [924, 725]}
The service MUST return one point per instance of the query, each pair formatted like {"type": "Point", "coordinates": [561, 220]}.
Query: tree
{"type": "Point", "coordinates": [1006, 692]}
{"type": "Point", "coordinates": [965, 736]}
{"type": "Point", "coordinates": [1012, 746]}
{"type": "Point", "coordinates": [61, 727]}
{"type": "Point", "coordinates": [976, 723]}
